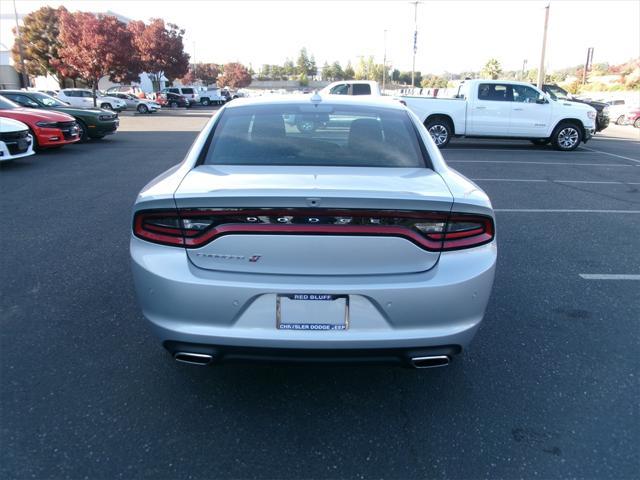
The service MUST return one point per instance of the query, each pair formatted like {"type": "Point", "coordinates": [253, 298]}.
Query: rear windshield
{"type": "Point", "coordinates": [328, 135]}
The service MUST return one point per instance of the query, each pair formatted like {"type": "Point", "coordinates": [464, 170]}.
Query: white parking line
{"type": "Point", "coordinates": [552, 181]}
{"type": "Point", "coordinates": [612, 154]}
{"type": "Point", "coordinates": [603, 276]}
{"type": "Point", "coordinates": [520, 150]}
{"type": "Point", "coordinates": [545, 163]}
{"type": "Point", "coordinates": [558, 210]}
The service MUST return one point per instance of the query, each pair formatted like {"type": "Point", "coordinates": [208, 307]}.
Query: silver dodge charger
{"type": "Point", "coordinates": [351, 241]}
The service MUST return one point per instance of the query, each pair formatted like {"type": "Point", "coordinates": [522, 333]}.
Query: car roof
{"type": "Point", "coordinates": [301, 99]}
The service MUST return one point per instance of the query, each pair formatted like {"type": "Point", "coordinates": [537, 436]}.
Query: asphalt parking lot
{"type": "Point", "coordinates": [548, 389]}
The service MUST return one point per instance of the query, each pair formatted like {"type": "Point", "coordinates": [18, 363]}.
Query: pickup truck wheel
{"type": "Point", "coordinates": [540, 141]}
{"type": "Point", "coordinates": [620, 120]}
{"type": "Point", "coordinates": [440, 131]}
{"type": "Point", "coordinates": [205, 102]}
{"type": "Point", "coordinates": [566, 137]}
{"type": "Point", "coordinates": [306, 126]}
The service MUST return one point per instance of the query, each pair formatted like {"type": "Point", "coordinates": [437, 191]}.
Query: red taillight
{"type": "Point", "coordinates": [466, 231]}
{"type": "Point", "coordinates": [433, 231]}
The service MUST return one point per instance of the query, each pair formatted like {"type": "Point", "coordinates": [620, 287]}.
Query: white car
{"type": "Point", "coordinates": [15, 140]}
{"type": "Point", "coordinates": [83, 98]}
{"type": "Point", "coordinates": [209, 96]}
{"type": "Point", "coordinates": [352, 87]}
{"type": "Point", "coordinates": [190, 93]}
{"type": "Point", "coordinates": [505, 109]}
{"type": "Point", "coordinates": [618, 109]}
{"type": "Point", "coordinates": [141, 105]}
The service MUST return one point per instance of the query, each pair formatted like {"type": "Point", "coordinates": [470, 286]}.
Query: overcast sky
{"type": "Point", "coordinates": [453, 35]}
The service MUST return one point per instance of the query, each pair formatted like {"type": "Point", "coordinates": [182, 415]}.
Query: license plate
{"type": "Point", "coordinates": [312, 311]}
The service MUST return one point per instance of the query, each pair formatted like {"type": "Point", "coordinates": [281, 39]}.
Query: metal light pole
{"type": "Point", "coordinates": [384, 62]}
{"type": "Point", "coordinates": [24, 82]}
{"type": "Point", "coordinates": [544, 48]}
{"type": "Point", "coordinates": [415, 41]}
{"type": "Point", "coordinates": [524, 68]}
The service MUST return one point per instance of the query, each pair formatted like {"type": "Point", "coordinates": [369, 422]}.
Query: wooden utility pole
{"type": "Point", "coordinates": [544, 48]}
{"type": "Point", "coordinates": [587, 65]}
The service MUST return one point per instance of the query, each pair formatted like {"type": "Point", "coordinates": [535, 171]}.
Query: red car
{"type": "Point", "coordinates": [632, 118]}
{"type": "Point", "coordinates": [49, 129]}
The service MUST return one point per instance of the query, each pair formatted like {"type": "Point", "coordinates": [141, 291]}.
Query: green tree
{"type": "Point", "coordinates": [40, 35]}
{"type": "Point", "coordinates": [305, 63]}
{"type": "Point", "coordinates": [303, 80]}
{"type": "Point", "coordinates": [327, 72]}
{"type": "Point", "coordinates": [491, 69]}
{"type": "Point", "coordinates": [338, 74]}
{"type": "Point", "coordinates": [289, 68]}
{"type": "Point", "coordinates": [349, 74]}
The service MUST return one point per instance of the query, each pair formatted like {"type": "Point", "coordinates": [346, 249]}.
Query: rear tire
{"type": "Point", "coordinates": [142, 108]}
{"type": "Point", "coordinates": [540, 141]}
{"type": "Point", "coordinates": [620, 120]}
{"type": "Point", "coordinates": [173, 104]}
{"type": "Point", "coordinates": [306, 126]}
{"type": "Point", "coordinates": [566, 137]}
{"type": "Point", "coordinates": [637, 123]}
{"type": "Point", "coordinates": [440, 130]}
{"type": "Point", "coordinates": [205, 102]}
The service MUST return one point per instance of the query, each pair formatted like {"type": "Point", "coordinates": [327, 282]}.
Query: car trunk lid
{"type": "Point", "coordinates": [313, 220]}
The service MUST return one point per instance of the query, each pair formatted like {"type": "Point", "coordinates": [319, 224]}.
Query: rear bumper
{"type": "Point", "coordinates": [223, 354]}
{"type": "Point", "coordinates": [440, 307]}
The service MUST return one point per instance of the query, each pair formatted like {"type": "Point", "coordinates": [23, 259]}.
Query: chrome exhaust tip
{"type": "Point", "coordinates": [430, 362]}
{"type": "Point", "coordinates": [193, 358]}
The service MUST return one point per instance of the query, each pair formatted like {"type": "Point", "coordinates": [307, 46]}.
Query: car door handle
{"type": "Point", "coordinates": [518, 109]}
{"type": "Point", "coordinates": [480, 108]}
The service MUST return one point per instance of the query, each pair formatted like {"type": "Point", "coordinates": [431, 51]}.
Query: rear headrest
{"type": "Point", "coordinates": [267, 126]}
{"type": "Point", "coordinates": [364, 132]}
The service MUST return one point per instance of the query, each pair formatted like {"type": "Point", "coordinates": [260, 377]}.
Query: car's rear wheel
{"type": "Point", "coordinates": [637, 123]}
{"type": "Point", "coordinates": [142, 108]}
{"type": "Point", "coordinates": [566, 137]}
{"type": "Point", "coordinates": [620, 120]}
{"type": "Point", "coordinates": [540, 141]}
{"type": "Point", "coordinates": [173, 104]}
{"type": "Point", "coordinates": [440, 130]}
{"type": "Point", "coordinates": [205, 102]}
{"type": "Point", "coordinates": [106, 106]}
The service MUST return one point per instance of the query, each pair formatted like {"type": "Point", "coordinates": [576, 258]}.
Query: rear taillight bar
{"type": "Point", "coordinates": [195, 227]}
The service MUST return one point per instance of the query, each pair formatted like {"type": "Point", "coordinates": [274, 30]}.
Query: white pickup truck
{"type": "Point", "coordinates": [505, 109]}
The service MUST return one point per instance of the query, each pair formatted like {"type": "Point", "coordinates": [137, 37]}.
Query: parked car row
{"type": "Point", "coordinates": [34, 120]}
